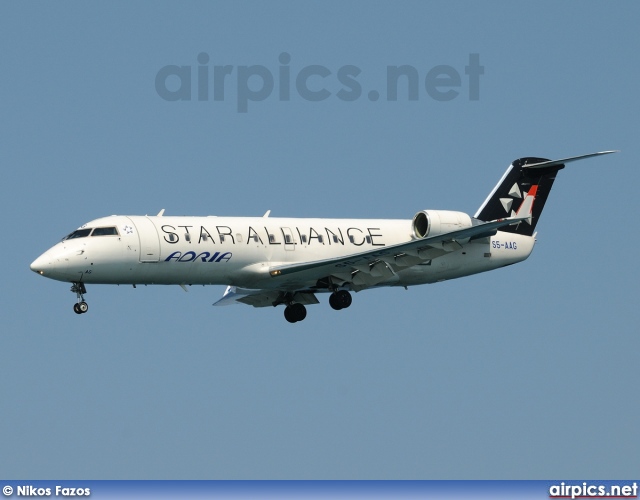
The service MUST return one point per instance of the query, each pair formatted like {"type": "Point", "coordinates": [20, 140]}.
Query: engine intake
{"type": "Point", "coordinates": [434, 222]}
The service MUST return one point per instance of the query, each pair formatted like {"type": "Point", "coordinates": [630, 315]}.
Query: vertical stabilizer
{"type": "Point", "coordinates": [524, 188]}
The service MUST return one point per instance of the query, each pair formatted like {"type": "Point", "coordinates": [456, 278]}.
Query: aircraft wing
{"type": "Point", "coordinates": [366, 269]}
{"type": "Point", "coordinates": [361, 270]}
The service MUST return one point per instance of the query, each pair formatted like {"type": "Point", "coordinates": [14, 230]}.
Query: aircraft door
{"type": "Point", "coordinates": [148, 237]}
{"type": "Point", "coordinates": [289, 242]}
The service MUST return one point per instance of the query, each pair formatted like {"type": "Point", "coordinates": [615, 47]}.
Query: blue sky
{"type": "Point", "coordinates": [526, 372]}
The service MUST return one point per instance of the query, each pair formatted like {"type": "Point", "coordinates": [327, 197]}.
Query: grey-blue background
{"type": "Point", "coordinates": [526, 372]}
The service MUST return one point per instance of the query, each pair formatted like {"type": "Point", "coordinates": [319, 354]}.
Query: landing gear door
{"type": "Point", "coordinates": [148, 237]}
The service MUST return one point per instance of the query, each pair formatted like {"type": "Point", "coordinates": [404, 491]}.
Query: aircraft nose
{"type": "Point", "coordinates": [43, 264]}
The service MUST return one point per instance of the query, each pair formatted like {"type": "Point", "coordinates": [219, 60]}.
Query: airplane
{"type": "Point", "coordinates": [267, 261]}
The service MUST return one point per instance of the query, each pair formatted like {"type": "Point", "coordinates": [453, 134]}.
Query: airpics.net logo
{"type": "Point", "coordinates": [208, 80]}
{"type": "Point", "coordinates": [588, 490]}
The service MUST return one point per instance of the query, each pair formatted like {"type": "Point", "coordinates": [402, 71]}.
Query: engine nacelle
{"type": "Point", "coordinates": [435, 222]}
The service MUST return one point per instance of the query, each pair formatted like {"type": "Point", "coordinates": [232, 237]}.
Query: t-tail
{"type": "Point", "coordinates": [524, 189]}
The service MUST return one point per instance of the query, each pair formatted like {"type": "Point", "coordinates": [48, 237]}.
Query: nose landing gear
{"type": "Point", "coordinates": [81, 306]}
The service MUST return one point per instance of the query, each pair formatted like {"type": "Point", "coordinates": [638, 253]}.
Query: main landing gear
{"type": "Point", "coordinates": [295, 312]}
{"type": "Point", "coordinates": [81, 306]}
{"type": "Point", "coordinates": [340, 299]}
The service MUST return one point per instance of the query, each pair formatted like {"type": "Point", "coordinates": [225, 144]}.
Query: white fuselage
{"type": "Point", "coordinates": [239, 251]}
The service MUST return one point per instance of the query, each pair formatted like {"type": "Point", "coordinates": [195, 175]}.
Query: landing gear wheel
{"type": "Point", "coordinates": [80, 307]}
{"type": "Point", "coordinates": [340, 299]}
{"type": "Point", "coordinates": [288, 315]}
{"type": "Point", "coordinates": [299, 311]}
{"type": "Point", "coordinates": [333, 302]}
{"type": "Point", "coordinates": [295, 313]}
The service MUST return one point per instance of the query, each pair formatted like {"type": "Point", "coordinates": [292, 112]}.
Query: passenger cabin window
{"type": "Point", "coordinates": [105, 231]}
{"type": "Point", "coordinates": [80, 233]}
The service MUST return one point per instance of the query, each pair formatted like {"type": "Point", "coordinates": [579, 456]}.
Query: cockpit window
{"type": "Point", "coordinates": [105, 231]}
{"type": "Point", "coordinates": [80, 233]}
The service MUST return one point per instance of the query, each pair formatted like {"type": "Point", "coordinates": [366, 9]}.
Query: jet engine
{"type": "Point", "coordinates": [434, 222]}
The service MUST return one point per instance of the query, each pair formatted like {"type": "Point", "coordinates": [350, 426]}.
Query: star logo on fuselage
{"type": "Point", "coordinates": [128, 229]}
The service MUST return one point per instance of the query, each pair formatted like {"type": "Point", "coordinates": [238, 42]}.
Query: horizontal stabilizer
{"type": "Point", "coordinates": [553, 163]}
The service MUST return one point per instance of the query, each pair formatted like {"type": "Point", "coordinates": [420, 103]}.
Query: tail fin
{"type": "Point", "coordinates": [527, 181]}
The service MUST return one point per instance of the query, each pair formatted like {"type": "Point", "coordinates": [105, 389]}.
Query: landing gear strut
{"type": "Point", "coordinates": [295, 312]}
{"type": "Point", "coordinates": [81, 306]}
{"type": "Point", "coordinates": [340, 300]}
